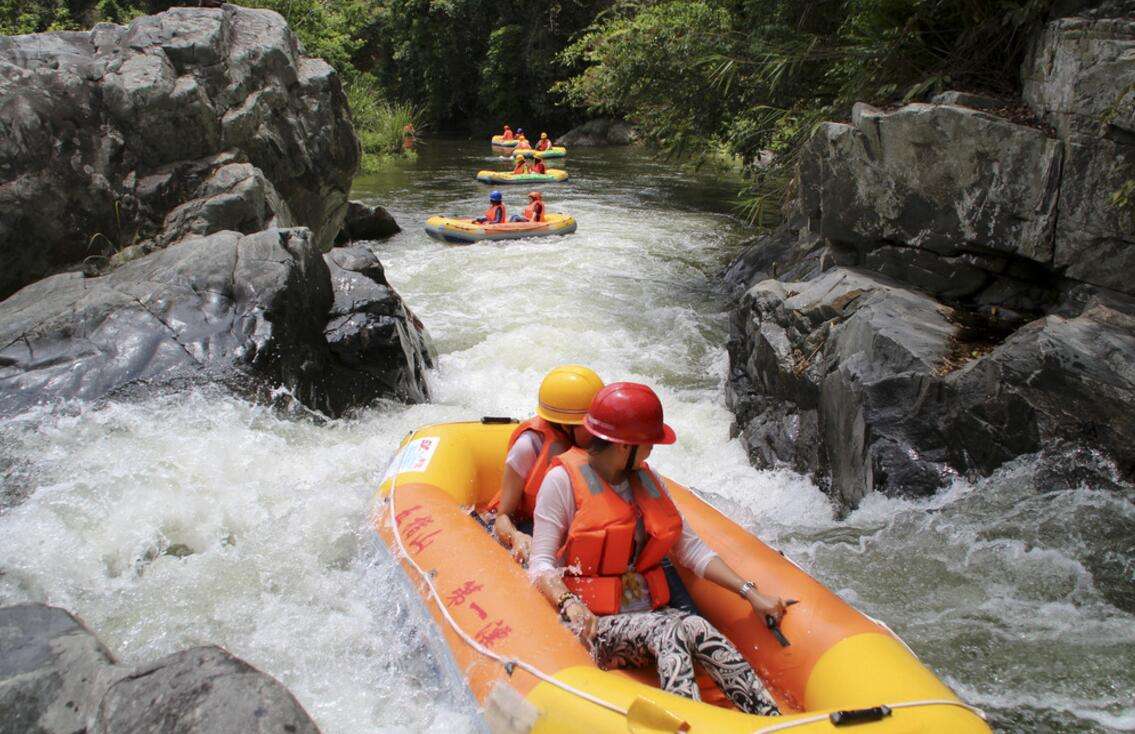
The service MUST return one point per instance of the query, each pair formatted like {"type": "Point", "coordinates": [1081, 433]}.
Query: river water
{"type": "Point", "coordinates": [194, 517]}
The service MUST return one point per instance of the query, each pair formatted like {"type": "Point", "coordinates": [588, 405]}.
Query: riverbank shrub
{"type": "Point", "coordinates": [380, 124]}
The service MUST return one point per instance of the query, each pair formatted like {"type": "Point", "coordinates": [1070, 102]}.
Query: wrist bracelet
{"type": "Point", "coordinates": [746, 588]}
{"type": "Point", "coordinates": [561, 603]}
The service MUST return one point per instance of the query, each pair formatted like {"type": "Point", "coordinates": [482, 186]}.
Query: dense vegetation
{"type": "Point", "coordinates": [739, 77]}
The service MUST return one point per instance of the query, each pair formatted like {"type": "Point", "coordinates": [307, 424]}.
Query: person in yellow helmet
{"type": "Point", "coordinates": [565, 394]}
{"type": "Point", "coordinates": [521, 165]}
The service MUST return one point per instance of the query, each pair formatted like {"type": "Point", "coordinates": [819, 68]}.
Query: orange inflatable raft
{"type": "Point", "coordinates": [531, 674]}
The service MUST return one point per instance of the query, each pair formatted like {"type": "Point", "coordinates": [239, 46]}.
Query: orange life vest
{"type": "Point", "coordinates": [555, 443]}
{"type": "Point", "coordinates": [507, 134]}
{"type": "Point", "coordinates": [523, 144]}
{"type": "Point", "coordinates": [521, 167]}
{"type": "Point", "coordinates": [534, 212]}
{"type": "Point", "coordinates": [600, 542]}
{"type": "Point", "coordinates": [544, 144]}
{"type": "Point", "coordinates": [539, 167]}
{"type": "Point", "coordinates": [492, 216]}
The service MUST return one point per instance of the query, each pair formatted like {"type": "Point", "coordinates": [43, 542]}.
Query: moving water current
{"type": "Point", "coordinates": [194, 517]}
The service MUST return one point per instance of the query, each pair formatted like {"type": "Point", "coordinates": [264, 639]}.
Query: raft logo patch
{"type": "Point", "coordinates": [413, 457]}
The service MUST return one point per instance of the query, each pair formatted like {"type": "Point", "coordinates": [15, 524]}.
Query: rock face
{"type": "Point", "coordinates": [57, 678]}
{"type": "Point", "coordinates": [52, 671]}
{"type": "Point", "coordinates": [365, 222]}
{"type": "Point", "coordinates": [594, 133]}
{"type": "Point", "coordinates": [109, 133]}
{"type": "Point", "coordinates": [198, 164]}
{"type": "Point", "coordinates": [952, 289]}
{"type": "Point", "coordinates": [223, 306]}
{"type": "Point", "coordinates": [200, 691]}
{"type": "Point", "coordinates": [370, 330]}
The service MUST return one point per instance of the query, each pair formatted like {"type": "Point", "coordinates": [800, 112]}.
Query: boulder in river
{"type": "Point", "coordinates": [108, 132]}
{"type": "Point", "coordinates": [596, 133]}
{"type": "Point", "coordinates": [366, 222]}
{"type": "Point", "coordinates": [246, 309]}
{"type": "Point", "coordinates": [201, 691]}
{"type": "Point", "coordinates": [53, 671]}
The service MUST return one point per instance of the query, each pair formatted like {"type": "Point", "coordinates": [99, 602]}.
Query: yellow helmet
{"type": "Point", "coordinates": [566, 393]}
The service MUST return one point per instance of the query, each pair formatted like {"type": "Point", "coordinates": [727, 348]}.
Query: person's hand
{"type": "Point", "coordinates": [505, 531]}
{"type": "Point", "coordinates": [582, 622]}
{"type": "Point", "coordinates": [521, 546]}
{"type": "Point", "coordinates": [766, 605]}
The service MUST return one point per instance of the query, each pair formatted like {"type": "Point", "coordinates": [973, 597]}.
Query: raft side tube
{"type": "Point", "coordinates": [838, 659]}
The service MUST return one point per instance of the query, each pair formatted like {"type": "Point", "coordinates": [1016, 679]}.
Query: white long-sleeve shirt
{"type": "Point", "coordinates": [555, 510]}
{"type": "Point", "coordinates": [523, 454]}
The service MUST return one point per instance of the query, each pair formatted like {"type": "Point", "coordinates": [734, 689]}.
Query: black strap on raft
{"type": "Point", "coordinates": [497, 419]}
{"type": "Point", "coordinates": [859, 716]}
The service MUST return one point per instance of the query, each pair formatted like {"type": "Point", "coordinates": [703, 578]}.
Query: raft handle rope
{"type": "Point", "coordinates": [509, 664]}
{"type": "Point", "coordinates": [838, 718]}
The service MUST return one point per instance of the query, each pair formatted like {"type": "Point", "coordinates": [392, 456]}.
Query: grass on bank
{"type": "Point", "coordinates": [380, 124]}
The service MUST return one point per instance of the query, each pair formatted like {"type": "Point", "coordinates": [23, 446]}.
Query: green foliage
{"type": "Point", "coordinates": [333, 30]}
{"type": "Point", "coordinates": [21, 16]}
{"type": "Point", "coordinates": [379, 124]}
{"type": "Point", "coordinates": [759, 75]}
{"type": "Point", "coordinates": [1123, 198]}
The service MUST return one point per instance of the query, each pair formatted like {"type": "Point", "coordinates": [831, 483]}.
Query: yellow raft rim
{"type": "Point", "coordinates": [529, 672]}
{"type": "Point", "coordinates": [500, 142]}
{"type": "Point", "coordinates": [554, 175]}
{"type": "Point", "coordinates": [459, 231]}
{"type": "Point", "coordinates": [556, 151]}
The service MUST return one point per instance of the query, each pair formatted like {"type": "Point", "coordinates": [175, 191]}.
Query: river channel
{"type": "Point", "coordinates": [193, 517]}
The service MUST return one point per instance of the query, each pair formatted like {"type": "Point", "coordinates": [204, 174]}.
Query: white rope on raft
{"type": "Point", "coordinates": [786, 725]}
{"type": "Point", "coordinates": [507, 663]}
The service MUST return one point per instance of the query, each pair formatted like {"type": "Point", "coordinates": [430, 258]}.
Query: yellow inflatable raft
{"type": "Point", "coordinates": [500, 142]}
{"type": "Point", "coordinates": [557, 151]}
{"type": "Point", "coordinates": [529, 672]}
{"type": "Point", "coordinates": [464, 231]}
{"type": "Point", "coordinates": [554, 175]}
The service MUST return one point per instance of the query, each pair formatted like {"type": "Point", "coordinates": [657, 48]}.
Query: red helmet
{"type": "Point", "coordinates": [628, 412]}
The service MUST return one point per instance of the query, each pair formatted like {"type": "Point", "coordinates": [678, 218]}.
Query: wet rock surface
{"type": "Point", "coordinates": [108, 131]}
{"type": "Point", "coordinates": [200, 691]}
{"type": "Point", "coordinates": [366, 222]}
{"type": "Point", "coordinates": [951, 289]}
{"type": "Point", "coordinates": [53, 671]}
{"type": "Point", "coordinates": [370, 329]}
{"type": "Point", "coordinates": [226, 306]}
{"type": "Point", "coordinates": [57, 678]}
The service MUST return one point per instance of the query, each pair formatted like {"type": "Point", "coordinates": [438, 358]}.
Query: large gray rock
{"type": "Point", "coordinates": [600, 132]}
{"type": "Point", "coordinates": [366, 222]}
{"type": "Point", "coordinates": [869, 386]}
{"type": "Point", "coordinates": [937, 177]}
{"type": "Point", "coordinates": [1016, 232]}
{"type": "Point", "coordinates": [247, 309]}
{"type": "Point", "coordinates": [824, 373]}
{"type": "Point", "coordinates": [1095, 238]}
{"type": "Point", "coordinates": [52, 671]}
{"type": "Point", "coordinates": [203, 690]}
{"type": "Point", "coordinates": [372, 331]}
{"type": "Point", "coordinates": [1061, 378]}
{"type": "Point", "coordinates": [99, 128]}
{"type": "Point", "coordinates": [1080, 76]}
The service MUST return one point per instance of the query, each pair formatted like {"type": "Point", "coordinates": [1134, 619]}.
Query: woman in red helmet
{"type": "Point", "coordinates": [604, 522]}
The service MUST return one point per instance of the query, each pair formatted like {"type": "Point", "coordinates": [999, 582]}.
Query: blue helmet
{"type": "Point", "coordinates": [495, 196]}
